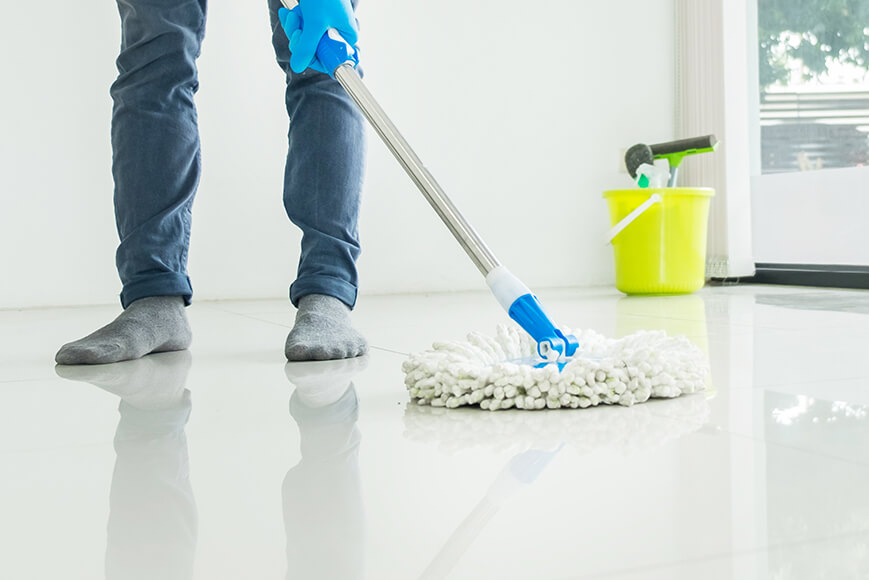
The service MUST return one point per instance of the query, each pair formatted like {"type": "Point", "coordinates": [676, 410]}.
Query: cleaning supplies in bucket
{"type": "Point", "coordinates": [652, 176]}
{"type": "Point", "coordinates": [672, 151]}
{"type": "Point", "coordinates": [658, 233]}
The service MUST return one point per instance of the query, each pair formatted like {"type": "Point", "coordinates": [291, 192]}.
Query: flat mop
{"type": "Point", "coordinates": [531, 370]}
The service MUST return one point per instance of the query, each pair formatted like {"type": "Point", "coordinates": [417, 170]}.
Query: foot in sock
{"type": "Point", "coordinates": [154, 324]}
{"type": "Point", "coordinates": [323, 331]}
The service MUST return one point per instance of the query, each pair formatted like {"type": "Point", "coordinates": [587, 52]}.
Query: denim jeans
{"type": "Point", "coordinates": [156, 157]}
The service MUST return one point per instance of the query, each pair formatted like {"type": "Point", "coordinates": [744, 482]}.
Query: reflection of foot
{"type": "Point", "coordinates": [152, 527]}
{"type": "Point", "coordinates": [321, 383]}
{"type": "Point", "coordinates": [155, 324]}
{"type": "Point", "coordinates": [322, 494]}
{"type": "Point", "coordinates": [153, 382]}
{"type": "Point", "coordinates": [323, 331]}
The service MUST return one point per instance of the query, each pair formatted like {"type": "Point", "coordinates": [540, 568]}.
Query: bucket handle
{"type": "Point", "coordinates": [617, 229]}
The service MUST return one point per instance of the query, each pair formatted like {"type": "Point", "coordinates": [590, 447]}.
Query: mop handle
{"type": "Point", "coordinates": [345, 73]}
{"type": "Point", "coordinates": [467, 237]}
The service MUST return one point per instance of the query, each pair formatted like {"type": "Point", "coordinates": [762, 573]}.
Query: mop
{"type": "Point", "coordinates": [542, 367]}
{"type": "Point", "coordinates": [504, 373]}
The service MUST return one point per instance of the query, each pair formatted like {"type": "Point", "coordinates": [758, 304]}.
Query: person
{"type": "Point", "coordinates": [156, 169]}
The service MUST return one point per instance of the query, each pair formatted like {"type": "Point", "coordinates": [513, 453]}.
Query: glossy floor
{"type": "Point", "coordinates": [225, 463]}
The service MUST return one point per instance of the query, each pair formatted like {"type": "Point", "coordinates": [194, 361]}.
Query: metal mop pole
{"type": "Point", "coordinates": [466, 235]}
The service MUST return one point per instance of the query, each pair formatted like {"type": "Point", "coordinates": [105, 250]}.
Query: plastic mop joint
{"type": "Point", "coordinates": [525, 309]}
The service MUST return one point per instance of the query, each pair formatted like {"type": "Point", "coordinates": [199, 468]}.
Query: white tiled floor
{"type": "Point", "coordinates": [763, 478]}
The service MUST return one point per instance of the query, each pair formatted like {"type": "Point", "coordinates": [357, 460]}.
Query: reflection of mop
{"type": "Point", "coordinates": [522, 471]}
{"type": "Point", "coordinates": [625, 431]}
{"type": "Point", "coordinates": [633, 430]}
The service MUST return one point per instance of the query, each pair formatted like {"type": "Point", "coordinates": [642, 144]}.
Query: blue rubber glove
{"type": "Point", "coordinates": [306, 24]}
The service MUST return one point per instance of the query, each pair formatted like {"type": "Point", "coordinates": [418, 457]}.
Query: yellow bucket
{"type": "Point", "coordinates": [659, 238]}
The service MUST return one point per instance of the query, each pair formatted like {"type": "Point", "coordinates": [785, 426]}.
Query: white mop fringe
{"type": "Point", "coordinates": [625, 371]}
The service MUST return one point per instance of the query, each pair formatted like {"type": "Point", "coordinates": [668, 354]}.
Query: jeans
{"type": "Point", "coordinates": [156, 160]}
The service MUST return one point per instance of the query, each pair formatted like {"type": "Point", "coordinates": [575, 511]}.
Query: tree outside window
{"type": "Point", "coordinates": [814, 79]}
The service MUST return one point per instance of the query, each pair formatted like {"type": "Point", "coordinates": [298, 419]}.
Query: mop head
{"type": "Point", "coordinates": [499, 372]}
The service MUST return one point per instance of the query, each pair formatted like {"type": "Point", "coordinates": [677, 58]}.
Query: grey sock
{"type": "Point", "coordinates": [154, 324]}
{"type": "Point", "coordinates": [323, 332]}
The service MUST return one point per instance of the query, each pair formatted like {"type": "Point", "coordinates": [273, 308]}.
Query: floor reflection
{"type": "Point", "coordinates": [153, 521]}
{"type": "Point", "coordinates": [826, 501]}
{"type": "Point", "coordinates": [322, 494]}
{"type": "Point", "coordinates": [675, 314]}
{"type": "Point", "coordinates": [536, 438]}
{"type": "Point", "coordinates": [764, 480]}
{"type": "Point", "coordinates": [519, 473]}
{"type": "Point", "coordinates": [624, 430]}
{"type": "Point", "coordinates": [853, 302]}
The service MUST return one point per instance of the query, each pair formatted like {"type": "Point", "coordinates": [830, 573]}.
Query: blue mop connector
{"type": "Point", "coordinates": [333, 51]}
{"type": "Point", "coordinates": [524, 307]}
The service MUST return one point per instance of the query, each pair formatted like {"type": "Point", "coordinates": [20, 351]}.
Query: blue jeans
{"type": "Point", "coordinates": [156, 157]}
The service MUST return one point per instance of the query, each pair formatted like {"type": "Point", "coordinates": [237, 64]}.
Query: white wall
{"type": "Point", "coordinates": [520, 110]}
{"type": "Point", "coordinates": [813, 217]}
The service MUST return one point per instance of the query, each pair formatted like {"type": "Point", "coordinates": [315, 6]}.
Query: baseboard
{"type": "Point", "coordinates": [820, 275]}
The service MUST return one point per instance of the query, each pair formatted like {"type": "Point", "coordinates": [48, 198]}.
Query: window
{"type": "Point", "coordinates": [814, 84]}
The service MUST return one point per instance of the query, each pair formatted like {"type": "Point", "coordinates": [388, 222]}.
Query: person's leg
{"type": "Point", "coordinates": [322, 187]}
{"type": "Point", "coordinates": [156, 166]}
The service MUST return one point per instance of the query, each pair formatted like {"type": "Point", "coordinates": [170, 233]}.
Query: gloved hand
{"type": "Point", "coordinates": [306, 24]}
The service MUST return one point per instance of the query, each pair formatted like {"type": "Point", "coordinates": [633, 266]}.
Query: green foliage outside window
{"type": "Point", "coordinates": [813, 31]}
